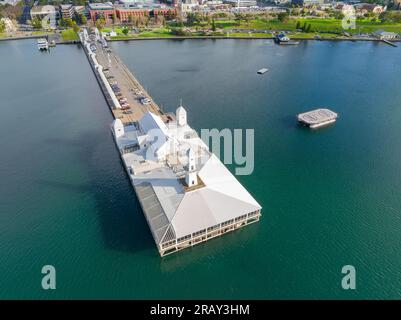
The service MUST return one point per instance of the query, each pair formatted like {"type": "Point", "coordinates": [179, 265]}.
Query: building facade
{"type": "Point", "coordinates": [125, 13]}
{"type": "Point", "coordinates": [66, 11]}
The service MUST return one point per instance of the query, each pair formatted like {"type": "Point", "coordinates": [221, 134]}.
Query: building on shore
{"type": "Point", "coordinates": [186, 193]}
{"type": "Point", "coordinates": [81, 10]}
{"type": "Point", "coordinates": [307, 2]}
{"type": "Point", "coordinates": [363, 8]}
{"type": "Point", "coordinates": [105, 10]}
{"type": "Point", "coordinates": [40, 12]}
{"type": "Point", "coordinates": [66, 11]}
{"type": "Point", "coordinates": [128, 10]}
{"type": "Point", "coordinates": [241, 3]}
{"type": "Point", "coordinates": [11, 2]}
{"type": "Point", "coordinates": [385, 35]}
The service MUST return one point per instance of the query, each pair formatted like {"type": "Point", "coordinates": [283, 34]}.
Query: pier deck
{"type": "Point", "coordinates": [130, 87]}
{"type": "Point", "coordinates": [186, 193]}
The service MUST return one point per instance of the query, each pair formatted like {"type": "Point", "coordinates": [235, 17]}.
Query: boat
{"type": "Point", "coordinates": [43, 44]}
{"type": "Point", "coordinates": [281, 38]}
{"type": "Point", "coordinates": [262, 71]}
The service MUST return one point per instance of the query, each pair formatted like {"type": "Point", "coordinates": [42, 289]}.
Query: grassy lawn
{"type": "Point", "coordinates": [317, 25]}
{"type": "Point", "coordinates": [326, 28]}
{"type": "Point", "coordinates": [69, 35]}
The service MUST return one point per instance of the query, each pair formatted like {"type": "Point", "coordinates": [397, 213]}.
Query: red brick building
{"type": "Point", "coordinates": [97, 10]}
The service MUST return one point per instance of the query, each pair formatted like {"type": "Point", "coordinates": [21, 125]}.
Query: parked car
{"type": "Point", "coordinates": [145, 101]}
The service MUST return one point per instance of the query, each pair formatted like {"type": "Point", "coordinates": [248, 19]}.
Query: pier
{"type": "Point", "coordinates": [109, 69]}
{"type": "Point", "coordinates": [389, 42]}
{"type": "Point", "coordinates": [186, 193]}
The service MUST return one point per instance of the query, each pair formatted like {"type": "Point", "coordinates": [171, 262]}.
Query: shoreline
{"type": "Point", "coordinates": [246, 38]}
{"type": "Point", "coordinates": [200, 38]}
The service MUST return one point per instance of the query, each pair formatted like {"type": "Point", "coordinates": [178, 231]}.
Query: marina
{"type": "Point", "coordinates": [317, 118]}
{"type": "Point", "coordinates": [186, 193]}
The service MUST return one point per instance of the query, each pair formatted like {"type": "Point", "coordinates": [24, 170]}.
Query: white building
{"type": "Point", "coordinates": [385, 35]}
{"type": "Point", "coordinates": [41, 12]}
{"type": "Point", "coordinates": [66, 11]}
{"type": "Point", "coordinates": [242, 3]}
{"type": "Point", "coordinates": [187, 195]}
{"type": "Point", "coordinates": [12, 2]}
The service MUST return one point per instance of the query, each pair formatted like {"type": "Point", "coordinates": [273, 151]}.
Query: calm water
{"type": "Point", "coordinates": [330, 197]}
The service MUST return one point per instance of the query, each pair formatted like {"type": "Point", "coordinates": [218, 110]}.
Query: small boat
{"type": "Point", "coordinates": [283, 39]}
{"type": "Point", "coordinates": [262, 71]}
{"type": "Point", "coordinates": [43, 44]}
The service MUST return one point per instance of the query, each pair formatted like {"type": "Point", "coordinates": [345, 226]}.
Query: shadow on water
{"type": "Point", "coordinates": [290, 122]}
{"type": "Point", "coordinates": [123, 225]}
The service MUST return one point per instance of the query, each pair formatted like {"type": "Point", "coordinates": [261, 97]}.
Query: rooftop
{"type": "Point", "coordinates": [157, 168]}
{"type": "Point", "coordinates": [101, 6]}
{"type": "Point", "coordinates": [317, 116]}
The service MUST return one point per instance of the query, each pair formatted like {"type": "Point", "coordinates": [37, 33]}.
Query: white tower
{"type": "Point", "coordinates": [118, 128]}
{"type": "Point", "coordinates": [191, 179]}
{"type": "Point", "coordinates": [181, 116]}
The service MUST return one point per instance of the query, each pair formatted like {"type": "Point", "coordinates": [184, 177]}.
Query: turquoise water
{"type": "Point", "coordinates": [330, 197]}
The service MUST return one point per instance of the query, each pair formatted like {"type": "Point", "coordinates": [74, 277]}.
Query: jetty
{"type": "Point", "coordinates": [186, 193]}
{"type": "Point", "coordinates": [317, 118]}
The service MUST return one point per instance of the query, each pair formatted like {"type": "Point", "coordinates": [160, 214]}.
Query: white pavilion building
{"type": "Point", "coordinates": [187, 194]}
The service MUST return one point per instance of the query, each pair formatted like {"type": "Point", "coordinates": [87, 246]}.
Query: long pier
{"type": "Point", "coordinates": [110, 70]}
{"type": "Point", "coordinates": [186, 194]}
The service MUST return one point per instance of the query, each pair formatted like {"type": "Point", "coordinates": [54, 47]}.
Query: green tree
{"type": "Point", "coordinates": [2, 26]}
{"type": "Point", "coordinates": [238, 17]}
{"type": "Point", "coordinates": [69, 23]}
{"type": "Point", "coordinates": [37, 23]}
{"type": "Point", "coordinates": [213, 25]}
{"type": "Point", "coordinates": [100, 23]}
{"type": "Point", "coordinates": [83, 19]}
{"type": "Point", "coordinates": [75, 27]}
{"type": "Point", "coordinates": [283, 16]}
{"type": "Point", "coordinates": [298, 25]}
{"type": "Point", "coordinates": [114, 18]}
{"type": "Point", "coordinates": [125, 31]}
